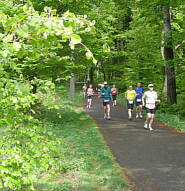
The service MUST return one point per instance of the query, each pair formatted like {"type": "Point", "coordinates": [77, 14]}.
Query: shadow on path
{"type": "Point", "coordinates": [153, 161]}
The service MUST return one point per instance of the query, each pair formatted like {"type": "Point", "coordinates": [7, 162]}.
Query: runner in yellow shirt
{"type": "Point", "coordinates": [130, 95]}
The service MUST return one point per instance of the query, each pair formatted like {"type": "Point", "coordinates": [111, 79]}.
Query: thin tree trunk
{"type": "Point", "coordinates": [169, 56]}
{"type": "Point", "coordinates": [72, 86]}
{"type": "Point", "coordinates": [91, 75]}
{"type": "Point", "coordinates": [164, 91]}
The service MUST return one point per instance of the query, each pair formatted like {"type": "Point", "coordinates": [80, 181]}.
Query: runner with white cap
{"type": "Point", "coordinates": [151, 98]}
{"type": "Point", "coordinates": [105, 93]}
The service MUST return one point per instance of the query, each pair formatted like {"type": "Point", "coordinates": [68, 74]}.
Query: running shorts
{"type": "Point", "coordinates": [89, 96]}
{"type": "Point", "coordinates": [105, 103]}
{"type": "Point", "coordinates": [130, 104]}
{"type": "Point", "coordinates": [138, 102]}
{"type": "Point", "coordinates": [152, 111]}
{"type": "Point", "coordinates": [114, 97]}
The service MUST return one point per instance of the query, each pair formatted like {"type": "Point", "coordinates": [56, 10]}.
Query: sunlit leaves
{"type": "Point", "coordinates": [75, 39]}
{"type": "Point", "coordinates": [31, 45]}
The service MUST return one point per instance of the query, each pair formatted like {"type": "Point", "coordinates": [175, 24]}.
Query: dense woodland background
{"type": "Point", "coordinates": [142, 41]}
{"type": "Point", "coordinates": [146, 40]}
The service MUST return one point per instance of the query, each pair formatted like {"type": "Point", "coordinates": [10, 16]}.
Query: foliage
{"type": "Point", "coordinates": [30, 41]}
{"type": "Point", "coordinates": [26, 153]}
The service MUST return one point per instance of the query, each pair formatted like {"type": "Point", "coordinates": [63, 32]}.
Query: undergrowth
{"type": "Point", "coordinates": [87, 163]}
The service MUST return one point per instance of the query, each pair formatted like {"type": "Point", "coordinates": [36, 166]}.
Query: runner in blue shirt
{"type": "Point", "coordinates": [138, 100]}
{"type": "Point", "coordinates": [105, 93]}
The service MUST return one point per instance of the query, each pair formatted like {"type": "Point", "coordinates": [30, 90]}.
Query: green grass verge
{"type": "Point", "coordinates": [172, 120]}
{"type": "Point", "coordinates": [88, 165]}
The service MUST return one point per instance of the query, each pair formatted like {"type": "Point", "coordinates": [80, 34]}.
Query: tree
{"type": "Point", "coordinates": [169, 56]}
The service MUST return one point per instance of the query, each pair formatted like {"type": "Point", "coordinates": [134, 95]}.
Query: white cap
{"type": "Point", "coordinates": [105, 83]}
{"type": "Point", "coordinates": [150, 85]}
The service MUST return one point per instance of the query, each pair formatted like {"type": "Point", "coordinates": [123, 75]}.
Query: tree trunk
{"type": "Point", "coordinates": [169, 56]}
{"type": "Point", "coordinates": [164, 91]}
{"type": "Point", "coordinates": [91, 75]}
{"type": "Point", "coordinates": [72, 86]}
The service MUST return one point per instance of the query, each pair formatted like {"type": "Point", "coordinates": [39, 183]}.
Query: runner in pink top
{"type": "Point", "coordinates": [114, 92]}
{"type": "Point", "coordinates": [90, 93]}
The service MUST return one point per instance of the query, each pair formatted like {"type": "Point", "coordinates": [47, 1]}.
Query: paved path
{"type": "Point", "coordinates": [153, 161]}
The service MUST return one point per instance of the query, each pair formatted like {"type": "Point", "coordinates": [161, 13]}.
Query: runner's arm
{"type": "Point", "coordinates": [143, 99]}
{"type": "Point", "coordinates": [157, 100]}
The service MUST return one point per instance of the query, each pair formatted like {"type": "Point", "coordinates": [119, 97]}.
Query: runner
{"type": "Point", "coordinates": [130, 95]}
{"type": "Point", "coordinates": [90, 93]}
{"type": "Point", "coordinates": [151, 99]}
{"type": "Point", "coordinates": [99, 88]}
{"type": "Point", "coordinates": [114, 94]}
{"type": "Point", "coordinates": [105, 93]}
{"type": "Point", "coordinates": [138, 100]}
{"type": "Point", "coordinates": [84, 89]}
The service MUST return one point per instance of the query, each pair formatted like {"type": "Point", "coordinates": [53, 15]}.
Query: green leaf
{"type": "Point", "coordinates": [16, 46]}
{"type": "Point", "coordinates": [75, 39]}
{"type": "Point", "coordinates": [8, 38]}
{"type": "Point", "coordinates": [89, 55]}
{"type": "Point", "coordinates": [94, 61]}
{"type": "Point", "coordinates": [106, 48]}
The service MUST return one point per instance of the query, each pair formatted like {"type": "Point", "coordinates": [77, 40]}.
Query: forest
{"type": "Point", "coordinates": [44, 41]}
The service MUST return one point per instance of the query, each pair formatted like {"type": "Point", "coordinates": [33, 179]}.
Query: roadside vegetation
{"type": "Point", "coordinates": [87, 163]}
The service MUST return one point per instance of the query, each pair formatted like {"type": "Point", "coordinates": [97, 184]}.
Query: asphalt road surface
{"type": "Point", "coordinates": [152, 161]}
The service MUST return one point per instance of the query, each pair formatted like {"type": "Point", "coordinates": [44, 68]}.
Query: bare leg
{"type": "Point", "coordinates": [151, 120]}
{"type": "Point", "coordinates": [137, 111]}
{"type": "Point", "coordinates": [105, 112]}
{"type": "Point", "coordinates": [90, 102]}
{"type": "Point", "coordinates": [140, 111]}
{"type": "Point", "coordinates": [129, 113]}
{"type": "Point", "coordinates": [147, 120]}
{"type": "Point", "coordinates": [108, 109]}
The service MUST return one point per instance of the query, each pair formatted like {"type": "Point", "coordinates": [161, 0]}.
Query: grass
{"type": "Point", "coordinates": [88, 165]}
{"type": "Point", "coordinates": [172, 120]}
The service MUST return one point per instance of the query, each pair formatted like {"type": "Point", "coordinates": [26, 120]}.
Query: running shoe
{"type": "Point", "coordinates": [137, 116]}
{"type": "Point", "coordinates": [150, 128]}
{"type": "Point", "coordinates": [146, 126]}
{"type": "Point", "coordinates": [108, 117]}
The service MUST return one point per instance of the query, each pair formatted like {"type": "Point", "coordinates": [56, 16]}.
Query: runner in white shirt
{"type": "Point", "coordinates": [151, 98]}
